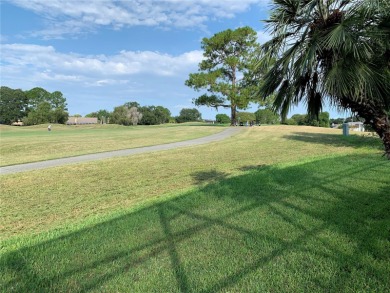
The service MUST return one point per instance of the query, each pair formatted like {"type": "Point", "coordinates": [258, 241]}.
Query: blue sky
{"type": "Point", "coordinates": [101, 54]}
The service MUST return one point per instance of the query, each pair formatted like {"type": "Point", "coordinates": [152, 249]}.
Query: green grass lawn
{"type": "Point", "coordinates": [285, 209]}
{"type": "Point", "coordinates": [35, 143]}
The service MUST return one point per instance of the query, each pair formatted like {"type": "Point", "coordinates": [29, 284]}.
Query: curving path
{"type": "Point", "coordinates": [98, 156]}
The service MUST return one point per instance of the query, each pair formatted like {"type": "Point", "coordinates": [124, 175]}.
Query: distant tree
{"type": "Point", "coordinates": [58, 101]}
{"type": "Point", "coordinates": [119, 116]}
{"type": "Point", "coordinates": [323, 119]}
{"type": "Point", "coordinates": [54, 104]}
{"type": "Point", "coordinates": [162, 114]}
{"type": "Point", "coordinates": [37, 96]}
{"type": "Point", "coordinates": [301, 119]}
{"type": "Point", "coordinates": [148, 116]}
{"type": "Point", "coordinates": [188, 115]}
{"type": "Point", "coordinates": [222, 118]}
{"type": "Point", "coordinates": [134, 115]}
{"type": "Point", "coordinates": [77, 115]}
{"type": "Point", "coordinates": [267, 116]}
{"type": "Point", "coordinates": [126, 116]}
{"type": "Point", "coordinates": [102, 115]}
{"type": "Point", "coordinates": [41, 114]}
{"type": "Point", "coordinates": [132, 104]}
{"type": "Point", "coordinates": [246, 116]}
{"type": "Point", "coordinates": [153, 115]}
{"type": "Point", "coordinates": [289, 121]}
{"type": "Point", "coordinates": [13, 105]}
{"type": "Point", "coordinates": [336, 121]}
{"type": "Point", "coordinates": [59, 116]}
{"type": "Point", "coordinates": [224, 72]}
{"type": "Point", "coordinates": [354, 118]}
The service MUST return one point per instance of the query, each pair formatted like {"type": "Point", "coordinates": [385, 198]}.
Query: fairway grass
{"type": "Point", "coordinates": [285, 209]}
{"type": "Point", "coordinates": [34, 143]}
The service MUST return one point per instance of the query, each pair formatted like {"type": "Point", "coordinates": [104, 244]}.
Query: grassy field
{"type": "Point", "coordinates": [283, 208]}
{"type": "Point", "coordinates": [35, 143]}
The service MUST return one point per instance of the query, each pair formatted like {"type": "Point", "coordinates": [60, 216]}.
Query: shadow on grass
{"type": "Point", "coordinates": [208, 176]}
{"type": "Point", "coordinates": [319, 226]}
{"type": "Point", "coordinates": [356, 141]}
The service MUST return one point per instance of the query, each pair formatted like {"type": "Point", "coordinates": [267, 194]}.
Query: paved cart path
{"type": "Point", "coordinates": [99, 156]}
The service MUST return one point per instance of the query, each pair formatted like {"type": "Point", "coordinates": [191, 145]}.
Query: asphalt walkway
{"type": "Point", "coordinates": [120, 153]}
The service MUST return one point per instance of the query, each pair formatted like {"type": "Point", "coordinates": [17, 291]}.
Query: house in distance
{"type": "Point", "coordinates": [81, 120]}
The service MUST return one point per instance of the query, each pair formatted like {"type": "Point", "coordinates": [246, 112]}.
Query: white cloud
{"type": "Point", "coordinates": [106, 82]}
{"type": "Point", "coordinates": [71, 18]}
{"type": "Point", "coordinates": [45, 63]}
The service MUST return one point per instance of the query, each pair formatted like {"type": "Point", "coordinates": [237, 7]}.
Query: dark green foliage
{"type": "Point", "coordinates": [222, 118]}
{"type": "Point", "coordinates": [289, 121]}
{"type": "Point", "coordinates": [301, 119]}
{"type": "Point", "coordinates": [267, 116]}
{"type": "Point", "coordinates": [59, 116]}
{"type": "Point", "coordinates": [44, 113]}
{"type": "Point", "coordinates": [41, 114]}
{"type": "Point", "coordinates": [336, 121]}
{"type": "Point", "coordinates": [118, 116]}
{"type": "Point", "coordinates": [323, 119]}
{"type": "Point", "coordinates": [246, 116]}
{"type": "Point", "coordinates": [148, 116]}
{"type": "Point", "coordinates": [189, 115]}
{"type": "Point", "coordinates": [37, 96]}
{"type": "Point", "coordinates": [132, 104]}
{"type": "Point", "coordinates": [13, 105]}
{"type": "Point", "coordinates": [153, 115]}
{"type": "Point", "coordinates": [35, 106]}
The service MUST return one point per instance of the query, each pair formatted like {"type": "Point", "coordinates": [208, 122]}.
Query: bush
{"type": "Point", "coordinates": [222, 118]}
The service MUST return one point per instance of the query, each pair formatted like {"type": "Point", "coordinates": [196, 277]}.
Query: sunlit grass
{"type": "Point", "coordinates": [35, 143]}
{"type": "Point", "coordinates": [285, 209]}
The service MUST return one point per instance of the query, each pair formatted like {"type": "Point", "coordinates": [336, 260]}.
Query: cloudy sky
{"type": "Point", "coordinates": [103, 53]}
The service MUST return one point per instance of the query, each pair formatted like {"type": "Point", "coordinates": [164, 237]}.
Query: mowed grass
{"type": "Point", "coordinates": [35, 143]}
{"type": "Point", "coordinates": [286, 209]}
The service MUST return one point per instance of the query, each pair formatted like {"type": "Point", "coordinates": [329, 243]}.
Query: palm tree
{"type": "Point", "coordinates": [331, 50]}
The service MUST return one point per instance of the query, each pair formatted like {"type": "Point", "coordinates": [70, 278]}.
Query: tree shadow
{"type": "Point", "coordinates": [253, 167]}
{"type": "Point", "coordinates": [208, 176]}
{"type": "Point", "coordinates": [355, 141]}
{"type": "Point", "coordinates": [267, 230]}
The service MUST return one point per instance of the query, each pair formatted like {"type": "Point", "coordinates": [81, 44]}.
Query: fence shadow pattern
{"type": "Point", "coordinates": [271, 229]}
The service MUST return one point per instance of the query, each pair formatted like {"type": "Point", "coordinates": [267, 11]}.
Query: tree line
{"type": "Point", "coordinates": [132, 113]}
{"type": "Point", "coordinates": [35, 106]}
{"type": "Point", "coordinates": [39, 106]}
{"type": "Point", "coordinates": [268, 116]}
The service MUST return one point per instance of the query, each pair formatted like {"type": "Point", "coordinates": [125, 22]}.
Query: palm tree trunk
{"type": "Point", "coordinates": [382, 127]}
{"type": "Point", "coordinates": [376, 117]}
